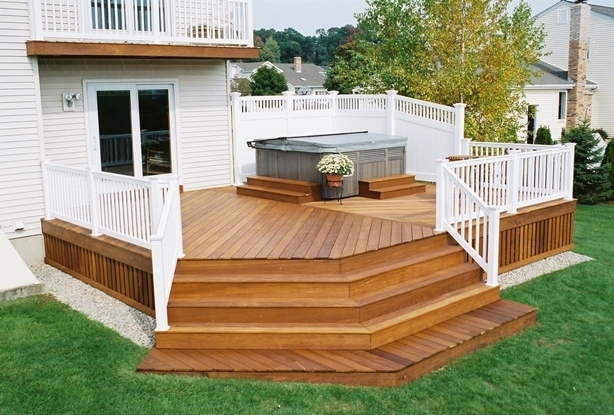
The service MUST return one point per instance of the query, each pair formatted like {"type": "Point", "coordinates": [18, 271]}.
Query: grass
{"type": "Point", "coordinates": [53, 360]}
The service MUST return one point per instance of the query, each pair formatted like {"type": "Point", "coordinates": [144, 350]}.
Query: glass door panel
{"type": "Point", "coordinates": [115, 132]}
{"type": "Point", "coordinates": [155, 131]}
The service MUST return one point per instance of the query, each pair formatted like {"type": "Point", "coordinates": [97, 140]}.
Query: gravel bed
{"type": "Point", "coordinates": [139, 327]}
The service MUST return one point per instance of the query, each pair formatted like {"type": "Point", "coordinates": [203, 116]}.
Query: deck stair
{"type": "Point", "coordinates": [379, 318]}
{"type": "Point", "coordinates": [283, 190]}
{"type": "Point", "coordinates": [390, 186]}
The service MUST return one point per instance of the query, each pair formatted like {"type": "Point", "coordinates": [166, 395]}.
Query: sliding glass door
{"type": "Point", "coordinates": [132, 129]}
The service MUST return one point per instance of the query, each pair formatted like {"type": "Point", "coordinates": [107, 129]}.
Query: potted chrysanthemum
{"type": "Point", "coordinates": [335, 166]}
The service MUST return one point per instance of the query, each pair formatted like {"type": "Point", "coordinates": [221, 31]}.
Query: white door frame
{"type": "Point", "coordinates": [91, 87]}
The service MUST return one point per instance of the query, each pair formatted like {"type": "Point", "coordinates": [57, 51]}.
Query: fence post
{"type": "Point", "coordinates": [465, 147]}
{"type": "Point", "coordinates": [440, 195]}
{"type": "Point", "coordinates": [570, 170]}
{"type": "Point", "coordinates": [492, 271]}
{"type": "Point", "coordinates": [390, 111]}
{"type": "Point", "coordinates": [289, 108]}
{"type": "Point", "coordinates": [513, 178]}
{"type": "Point", "coordinates": [93, 196]}
{"type": "Point", "coordinates": [459, 126]}
{"type": "Point", "coordinates": [333, 106]}
{"type": "Point", "coordinates": [235, 113]}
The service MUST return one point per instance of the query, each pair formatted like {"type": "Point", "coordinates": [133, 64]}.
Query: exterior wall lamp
{"type": "Point", "coordinates": [68, 100]}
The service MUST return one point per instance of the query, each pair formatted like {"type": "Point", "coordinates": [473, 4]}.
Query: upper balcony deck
{"type": "Point", "coordinates": [162, 23]}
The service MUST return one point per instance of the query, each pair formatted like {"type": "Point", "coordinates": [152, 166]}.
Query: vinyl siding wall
{"type": "Point", "coordinates": [600, 65]}
{"type": "Point", "coordinates": [203, 130]}
{"type": "Point", "coordinates": [547, 110]}
{"type": "Point", "coordinates": [21, 191]}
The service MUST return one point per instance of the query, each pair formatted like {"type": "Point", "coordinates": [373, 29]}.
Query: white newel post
{"type": "Point", "coordinates": [492, 271]}
{"type": "Point", "coordinates": [36, 20]}
{"type": "Point", "coordinates": [459, 126]}
{"type": "Point", "coordinates": [513, 181]}
{"type": "Point", "coordinates": [333, 106]}
{"type": "Point", "coordinates": [46, 194]}
{"type": "Point", "coordinates": [390, 111]}
{"type": "Point", "coordinates": [160, 299]}
{"type": "Point", "coordinates": [440, 193]}
{"type": "Point", "coordinates": [465, 147]}
{"type": "Point", "coordinates": [235, 102]}
{"type": "Point", "coordinates": [570, 168]}
{"type": "Point", "coordinates": [250, 24]}
{"type": "Point", "coordinates": [94, 207]}
{"type": "Point", "coordinates": [157, 204]}
{"type": "Point", "coordinates": [289, 108]}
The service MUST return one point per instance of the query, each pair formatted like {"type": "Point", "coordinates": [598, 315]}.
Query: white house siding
{"type": "Point", "coordinates": [21, 195]}
{"type": "Point", "coordinates": [600, 65]}
{"type": "Point", "coordinates": [547, 110]}
{"type": "Point", "coordinates": [203, 128]}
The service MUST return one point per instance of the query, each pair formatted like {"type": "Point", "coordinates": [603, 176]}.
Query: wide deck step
{"type": "Point", "coordinates": [283, 190]}
{"type": "Point", "coordinates": [390, 186]}
{"type": "Point", "coordinates": [346, 335]}
{"type": "Point", "coordinates": [395, 363]}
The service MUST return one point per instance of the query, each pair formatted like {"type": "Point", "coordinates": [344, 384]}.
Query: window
{"type": "Point", "coordinates": [562, 16]}
{"type": "Point", "coordinates": [562, 105]}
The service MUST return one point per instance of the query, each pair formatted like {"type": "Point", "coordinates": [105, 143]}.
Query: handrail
{"type": "Point", "coordinates": [166, 248]}
{"type": "Point", "coordinates": [471, 194]}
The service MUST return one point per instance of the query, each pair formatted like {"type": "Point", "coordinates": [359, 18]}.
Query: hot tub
{"type": "Point", "coordinates": [374, 155]}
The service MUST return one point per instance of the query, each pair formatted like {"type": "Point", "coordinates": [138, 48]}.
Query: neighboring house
{"type": "Point", "coordinates": [302, 78]}
{"type": "Point", "coordinates": [579, 40]}
{"type": "Point", "coordinates": [116, 86]}
{"type": "Point", "coordinates": [546, 96]}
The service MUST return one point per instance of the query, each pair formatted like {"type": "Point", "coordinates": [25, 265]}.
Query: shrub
{"type": "Point", "coordinates": [543, 136]}
{"type": "Point", "coordinates": [591, 178]}
{"type": "Point", "coordinates": [608, 163]}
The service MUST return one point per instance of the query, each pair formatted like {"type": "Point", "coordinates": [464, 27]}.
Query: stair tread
{"type": "Point", "coordinates": [411, 312]}
{"type": "Point", "coordinates": [395, 188]}
{"type": "Point", "coordinates": [272, 190]}
{"type": "Point", "coordinates": [253, 278]}
{"type": "Point", "coordinates": [387, 178]}
{"type": "Point", "coordinates": [428, 279]}
{"type": "Point", "coordinates": [287, 181]}
{"type": "Point", "coordinates": [262, 302]}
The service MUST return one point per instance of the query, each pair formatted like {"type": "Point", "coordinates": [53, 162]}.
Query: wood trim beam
{"type": "Point", "coordinates": [132, 50]}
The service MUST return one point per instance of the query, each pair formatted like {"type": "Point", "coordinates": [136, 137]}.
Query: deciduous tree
{"type": "Point", "coordinates": [449, 51]}
{"type": "Point", "coordinates": [268, 81]}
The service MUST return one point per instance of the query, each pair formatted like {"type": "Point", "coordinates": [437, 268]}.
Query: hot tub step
{"type": "Point", "coordinates": [390, 186]}
{"type": "Point", "coordinates": [283, 190]}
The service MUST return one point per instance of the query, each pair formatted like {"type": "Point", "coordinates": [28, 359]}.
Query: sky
{"type": "Point", "coordinates": [307, 16]}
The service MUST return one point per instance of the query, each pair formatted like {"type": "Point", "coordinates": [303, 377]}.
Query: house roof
{"type": "Point", "coordinates": [311, 75]}
{"type": "Point", "coordinates": [546, 75]}
{"type": "Point", "coordinates": [604, 10]}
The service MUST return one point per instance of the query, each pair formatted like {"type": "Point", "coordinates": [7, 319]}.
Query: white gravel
{"type": "Point", "coordinates": [139, 327]}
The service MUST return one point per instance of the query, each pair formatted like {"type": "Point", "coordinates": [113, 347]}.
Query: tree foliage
{"type": "Point", "coordinates": [446, 51]}
{"type": "Point", "coordinates": [591, 177]}
{"type": "Point", "coordinates": [242, 85]}
{"type": "Point", "coordinates": [268, 81]}
{"type": "Point", "coordinates": [270, 51]}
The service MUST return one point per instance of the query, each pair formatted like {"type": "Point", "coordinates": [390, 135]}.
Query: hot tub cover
{"type": "Point", "coordinates": [331, 143]}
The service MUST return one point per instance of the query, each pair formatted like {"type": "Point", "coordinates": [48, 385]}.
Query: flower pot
{"type": "Point", "coordinates": [334, 180]}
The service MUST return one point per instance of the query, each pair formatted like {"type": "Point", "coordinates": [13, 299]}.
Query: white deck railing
{"type": "Point", "coordinates": [166, 248]}
{"type": "Point", "coordinates": [144, 212]}
{"type": "Point", "coordinates": [471, 194]}
{"type": "Point", "coordinates": [161, 21]}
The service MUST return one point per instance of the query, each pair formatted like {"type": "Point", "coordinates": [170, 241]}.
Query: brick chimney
{"type": "Point", "coordinates": [578, 102]}
{"type": "Point", "coordinates": [298, 64]}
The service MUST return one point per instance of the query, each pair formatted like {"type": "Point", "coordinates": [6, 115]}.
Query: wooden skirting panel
{"type": "Point", "coordinates": [536, 233]}
{"type": "Point", "coordinates": [122, 270]}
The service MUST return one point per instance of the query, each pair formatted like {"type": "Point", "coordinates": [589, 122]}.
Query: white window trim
{"type": "Point", "coordinates": [562, 107]}
{"type": "Point", "coordinates": [562, 16]}
{"type": "Point", "coordinates": [174, 117]}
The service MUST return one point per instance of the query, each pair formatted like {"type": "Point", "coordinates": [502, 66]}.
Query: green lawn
{"type": "Point", "coordinates": [55, 361]}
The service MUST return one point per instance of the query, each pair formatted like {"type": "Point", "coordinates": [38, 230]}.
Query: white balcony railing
{"type": "Point", "coordinates": [224, 22]}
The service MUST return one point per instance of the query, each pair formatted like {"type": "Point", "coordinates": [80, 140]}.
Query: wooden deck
{"type": "Point", "coordinates": [360, 293]}
{"type": "Point", "coordinates": [219, 224]}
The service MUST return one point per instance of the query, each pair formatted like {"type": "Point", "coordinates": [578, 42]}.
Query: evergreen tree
{"type": "Point", "coordinates": [591, 178]}
{"type": "Point", "coordinates": [543, 136]}
{"type": "Point", "coordinates": [270, 52]}
{"type": "Point", "coordinates": [268, 81]}
{"type": "Point", "coordinates": [608, 163]}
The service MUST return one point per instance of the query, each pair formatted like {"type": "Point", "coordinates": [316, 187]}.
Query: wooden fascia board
{"type": "Point", "coordinates": [132, 50]}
